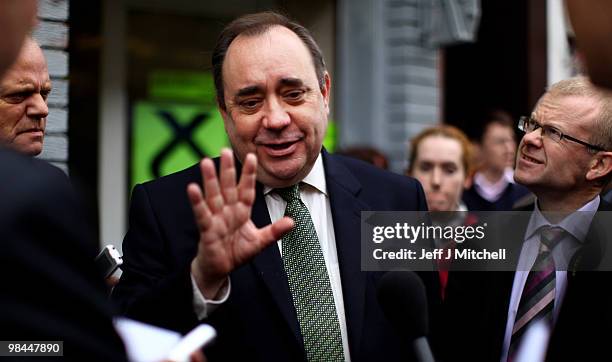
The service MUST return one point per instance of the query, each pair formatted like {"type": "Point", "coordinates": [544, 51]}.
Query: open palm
{"type": "Point", "coordinates": [228, 237]}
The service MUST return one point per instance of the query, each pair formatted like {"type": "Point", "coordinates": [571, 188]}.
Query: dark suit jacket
{"type": "Point", "coordinates": [477, 304]}
{"type": "Point", "coordinates": [50, 289]}
{"type": "Point", "coordinates": [258, 322]}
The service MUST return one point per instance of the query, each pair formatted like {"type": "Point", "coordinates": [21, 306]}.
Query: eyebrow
{"type": "Point", "coordinates": [254, 89]}
{"type": "Point", "coordinates": [248, 91]}
{"type": "Point", "coordinates": [291, 82]}
{"type": "Point", "coordinates": [553, 125]}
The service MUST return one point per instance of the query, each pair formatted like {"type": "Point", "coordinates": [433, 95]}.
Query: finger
{"type": "Point", "coordinates": [228, 177]}
{"type": "Point", "coordinates": [276, 230]}
{"type": "Point", "coordinates": [246, 187]}
{"type": "Point", "coordinates": [201, 212]}
{"type": "Point", "coordinates": [214, 199]}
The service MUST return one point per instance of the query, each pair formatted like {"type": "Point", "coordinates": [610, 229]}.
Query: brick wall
{"type": "Point", "coordinates": [52, 35]}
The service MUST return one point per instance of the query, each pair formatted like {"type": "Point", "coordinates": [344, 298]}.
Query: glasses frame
{"type": "Point", "coordinates": [549, 130]}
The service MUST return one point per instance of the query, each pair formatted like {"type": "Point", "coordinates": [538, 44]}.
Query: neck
{"type": "Point", "coordinates": [565, 203]}
{"type": "Point", "coordinates": [492, 175]}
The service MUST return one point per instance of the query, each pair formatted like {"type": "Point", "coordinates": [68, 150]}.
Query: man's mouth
{"type": "Point", "coordinates": [33, 131]}
{"type": "Point", "coordinates": [530, 159]}
{"type": "Point", "coordinates": [279, 149]}
{"type": "Point", "coordinates": [279, 146]}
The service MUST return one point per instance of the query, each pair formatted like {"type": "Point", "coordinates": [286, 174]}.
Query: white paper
{"type": "Point", "coordinates": [144, 342]}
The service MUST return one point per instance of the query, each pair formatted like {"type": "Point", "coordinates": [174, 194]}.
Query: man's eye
{"type": "Point", "coordinates": [45, 94]}
{"type": "Point", "coordinates": [294, 95]}
{"type": "Point", "coordinates": [250, 104]}
{"type": "Point", "coordinates": [425, 167]}
{"type": "Point", "coordinates": [553, 132]}
{"type": "Point", "coordinates": [450, 170]}
{"type": "Point", "coordinates": [15, 97]}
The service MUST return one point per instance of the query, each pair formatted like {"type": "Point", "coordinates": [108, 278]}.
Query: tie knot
{"type": "Point", "coordinates": [290, 193]}
{"type": "Point", "coordinates": [550, 236]}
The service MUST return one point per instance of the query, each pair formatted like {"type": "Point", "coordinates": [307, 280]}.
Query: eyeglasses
{"type": "Point", "coordinates": [528, 125]}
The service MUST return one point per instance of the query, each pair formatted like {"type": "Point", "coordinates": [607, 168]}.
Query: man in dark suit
{"type": "Point", "coordinates": [273, 93]}
{"type": "Point", "coordinates": [564, 159]}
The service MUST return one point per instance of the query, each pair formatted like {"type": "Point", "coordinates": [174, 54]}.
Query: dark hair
{"type": "Point", "coordinates": [494, 116]}
{"type": "Point", "coordinates": [257, 24]}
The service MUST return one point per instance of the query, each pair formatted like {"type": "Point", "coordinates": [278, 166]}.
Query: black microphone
{"type": "Point", "coordinates": [404, 302]}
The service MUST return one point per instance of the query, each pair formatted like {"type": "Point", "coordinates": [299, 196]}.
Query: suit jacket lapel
{"type": "Point", "coordinates": [269, 266]}
{"type": "Point", "coordinates": [346, 207]}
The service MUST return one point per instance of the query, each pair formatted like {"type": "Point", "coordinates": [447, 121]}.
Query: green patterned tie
{"type": "Point", "coordinates": [309, 283]}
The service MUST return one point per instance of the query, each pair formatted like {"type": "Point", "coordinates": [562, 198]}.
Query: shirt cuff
{"type": "Point", "coordinates": [204, 307]}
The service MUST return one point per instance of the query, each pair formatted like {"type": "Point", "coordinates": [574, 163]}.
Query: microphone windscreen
{"type": "Point", "coordinates": [402, 297]}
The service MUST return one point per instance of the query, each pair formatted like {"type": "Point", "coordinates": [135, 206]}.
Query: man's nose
{"type": "Point", "coordinates": [37, 107]}
{"type": "Point", "coordinates": [276, 116]}
{"type": "Point", "coordinates": [533, 138]}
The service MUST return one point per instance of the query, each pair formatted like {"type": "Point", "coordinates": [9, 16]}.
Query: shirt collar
{"type": "Point", "coordinates": [576, 223]}
{"type": "Point", "coordinates": [315, 178]}
{"type": "Point", "coordinates": [491, 191]}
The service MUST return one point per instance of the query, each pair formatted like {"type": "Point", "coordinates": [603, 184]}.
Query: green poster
{"type": "Point", "coordinates": [169, 137]}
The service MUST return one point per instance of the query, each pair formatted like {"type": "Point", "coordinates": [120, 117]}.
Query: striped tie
{"type": "Point", "coordinates": [309, 283]}
{"type": "Point", "coordinates": [538, 297]}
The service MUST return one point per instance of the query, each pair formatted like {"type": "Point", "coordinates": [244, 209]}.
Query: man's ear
{"type": "Point", "coordinates": [600, 166]}
{"type": "Point", "coordinates": [325, 91]}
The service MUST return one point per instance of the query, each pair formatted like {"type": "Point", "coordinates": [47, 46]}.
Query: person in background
{"type": "Point", "coordinates": [440, 158]}
{"type": "Point", "coordinates": [493, 187]}
{"type": "Point", "coordinates": [367, 154]}
{"type": "Point", "coordinates": [24, 89]}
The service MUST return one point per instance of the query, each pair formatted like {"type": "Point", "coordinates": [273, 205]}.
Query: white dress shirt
{"type": "Point", "coordinates": [490, 191]}
{"type": "Point", "coordinates": [576, 226]}
{"type": "Point", "coordinates": [314, 195]}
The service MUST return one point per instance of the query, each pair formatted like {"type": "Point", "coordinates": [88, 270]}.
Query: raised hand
{"type": "Point", "coordinates": [228, 237]}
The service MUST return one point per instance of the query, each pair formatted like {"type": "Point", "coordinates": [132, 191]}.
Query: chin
{"type": "Point", "coordinates": [274, 177]}
{"type": "Point", "coordinates": [521, 179]}
{"type": "Point", "coordinates": [30, 150]}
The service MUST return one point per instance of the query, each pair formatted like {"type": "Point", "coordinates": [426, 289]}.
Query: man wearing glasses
{"type": "Point", "coordinates": [558, 294]}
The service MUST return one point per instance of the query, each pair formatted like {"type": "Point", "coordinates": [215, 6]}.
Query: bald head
{"type": "Point", "coordinates": [17, 18]}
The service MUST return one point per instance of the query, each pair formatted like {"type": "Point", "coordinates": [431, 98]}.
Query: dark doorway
{"type": "Point", "coordinates": [505, 68]}
{"type": "Point", "coordinates": [84, 49]}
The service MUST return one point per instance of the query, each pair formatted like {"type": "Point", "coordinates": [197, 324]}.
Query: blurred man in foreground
{"type": "Point", "coordinates": [50, 288]}
{"type": "Point", "coordinates": [592, 26]}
